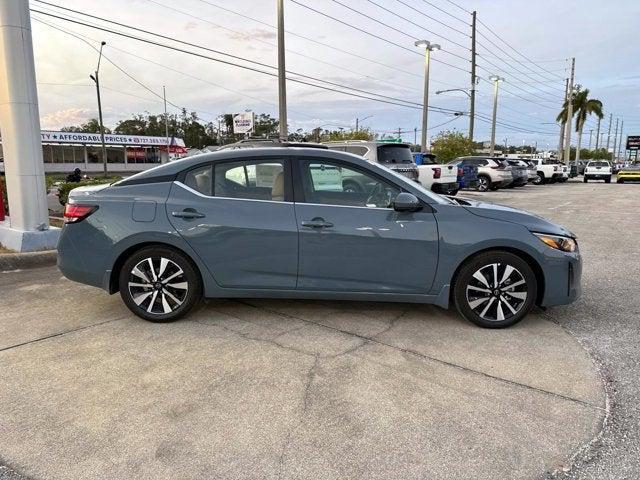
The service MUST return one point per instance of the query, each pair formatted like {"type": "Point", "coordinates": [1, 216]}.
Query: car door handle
{"type": "Point", "coordinates": [317, 223]}
{"type": "Point", "coordinates": [187, 214]}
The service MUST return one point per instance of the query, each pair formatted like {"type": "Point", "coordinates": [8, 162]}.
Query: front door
{"type": "Point", "coordinates": [351, 239]}
{"type": "Point", "coordinates": [239, 218]}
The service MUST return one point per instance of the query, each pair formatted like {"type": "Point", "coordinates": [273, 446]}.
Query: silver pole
{"type": "Point", "coordinates": [615, 142]}
{"type": "Point", "coordinates": [282, 81]}
{"type": "Point", "coordinates": [496, 81]}
{"type": "Point", "coordinates": [166, 120]}
{"type": "Point", "coordinates": [425, 101]}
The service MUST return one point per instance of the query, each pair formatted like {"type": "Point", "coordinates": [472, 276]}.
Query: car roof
{"type": "Point", "coordinates": [177, 166]}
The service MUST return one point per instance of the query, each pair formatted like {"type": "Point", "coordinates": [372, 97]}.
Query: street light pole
{"type": "Point", "coordinates": [358, 120]}
{"type": "Point", "coordinates": [282, 80]}
{"type": "Point", "coordinates": [496, 80]}
{"type": "Point", "coordinates": [96, 78]}
{"type": "Point", "coordinates": [428, 48]}
{"type": "Point", "coordinates": [567, 137]}
{"type": "Point", "coordinates": [166, 120]}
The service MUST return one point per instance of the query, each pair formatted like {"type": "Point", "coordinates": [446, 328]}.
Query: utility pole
{"type": "Point", "coordinates": [567, 139]}
{"type": "Point", "coordinates": [428, 48]}
{"type": "Point", "coordinates": [563, 124]}
{"type": "Point", "coordinates": [615, 141]}
{"type": "Point", "coordinates": [496, 80]}
{"type": "Point", "coordinates": [609, 134]}
{"type": "Point", "coordinates": [472, 97]}
{"type": "Point", "coordinates": [282, 80]}
{"type": "Point", "coordinates": [620, 142]}
{"type": "Point", "coordinates": [590, 138]}
{"type": "Point", "coordinates": [166, 120]}
{"type": "Point", "coordinates": [415, 136]}
{"type": "Point", "coordinates": [598, 135]}
{"type": "Point", "coordinates": [399, 133]}
{"type": "Point", "coordinates": [356, 124]}
{"type": "Point", "coordinates": [95, 77]}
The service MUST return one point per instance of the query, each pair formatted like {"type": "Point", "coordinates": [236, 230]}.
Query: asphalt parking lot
{"type": "Point", "coordinates": [298, 389]}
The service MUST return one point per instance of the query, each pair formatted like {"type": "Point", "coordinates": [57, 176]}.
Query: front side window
{"type": "Point", "coordinates": [329, 183]}
{"type": "Point", "coordinates": [250, 179]}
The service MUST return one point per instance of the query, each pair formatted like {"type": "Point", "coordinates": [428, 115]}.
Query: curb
{"type": "Point", "coordinates": [19, 261]}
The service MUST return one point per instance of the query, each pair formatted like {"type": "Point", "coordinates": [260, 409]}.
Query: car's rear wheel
{"type": "Point", "coordinates": [540, 179]}
{"type": "Point", "coordinates": [585, 179]}
{"type": "Point", "coordinates": [159, 284]}
{"type": "Point", "coordinates": [607, 180]}
{"type": "Point", "coordinates": [495, 289]}
{"type": "Point", "coordinates": [484, 183]}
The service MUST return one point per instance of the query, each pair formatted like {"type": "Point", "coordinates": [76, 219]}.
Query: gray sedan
{"type": "Point", "coordinates": [282, 223]}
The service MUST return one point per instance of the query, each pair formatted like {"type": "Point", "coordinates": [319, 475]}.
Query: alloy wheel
{"type": "Point", "coordinates": [483, 184]}
{"type": "Point", "coordinates": [496, 292]}
{"type": "Point", "coordinates": [158, 285]}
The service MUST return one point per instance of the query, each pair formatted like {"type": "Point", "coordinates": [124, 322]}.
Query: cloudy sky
{"type": "Point", "coordinates": [526, 42]}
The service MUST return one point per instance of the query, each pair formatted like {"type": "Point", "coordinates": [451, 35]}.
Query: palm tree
{"type": "Point", "coordinates": [583, 106]}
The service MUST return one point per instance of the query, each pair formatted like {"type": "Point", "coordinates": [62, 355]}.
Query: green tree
{"type": "Point", "coordinates": [341, 135]}
{"type": "Point", "coordinates": [583, 106]}
{"type": "Point", "coordinates": [92, 126]}
{"type": "Point", "coordinates": [448, 145]}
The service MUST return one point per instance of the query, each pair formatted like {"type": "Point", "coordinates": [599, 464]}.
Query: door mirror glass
{"type": "Point", "coordinates": [406, 202]}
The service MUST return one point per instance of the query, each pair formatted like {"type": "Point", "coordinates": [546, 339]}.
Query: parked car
{"type": "Point", "coordinates": [467, 174]}
{"type": "Point", "coordinates": [492, 173]}
{"type": "Point", "coordinates": [548, 171]}
{"type": "Point", "coordinates": [260, 223]}
{"type": "Point", "coordinates": [519, 171]}
{"type": "Point", "coordinates": [629, 174]}
{"type": "Point", "coordinates": [395, 156]}
{"type": "Point", "coordinates": [577, 168]}
{"type": "Point", "coordinates": [439, 178]}
{"type": "Point", "coordinates": [532, 171]}
{"type": "Point", "coordinates": [598, 170]}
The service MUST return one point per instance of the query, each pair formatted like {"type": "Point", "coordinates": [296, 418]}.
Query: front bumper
{"type": "Point", "coordinates": [562, 276]}
{"type": "Point", "coordinates": [445, 187]}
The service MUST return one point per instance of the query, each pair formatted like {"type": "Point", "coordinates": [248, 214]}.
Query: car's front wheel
{"type": "Point", "coordinates": [159, 284]}
{"type": "Point", "coordinates": [495, 289]}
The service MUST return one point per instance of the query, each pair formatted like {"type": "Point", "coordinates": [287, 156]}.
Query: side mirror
{"type": "Point", "coordinates": [406, 202]}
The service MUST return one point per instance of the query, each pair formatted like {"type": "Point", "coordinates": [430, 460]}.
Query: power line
{"type": "Point", "coordinates": [461, 8]}
{"type": "Point", "coordinates": [372, 34]}
{"type": "Point", "coordinates": [407, 104]}
{"type": "Point", "coordinates": [445, 12]}
{"type": "Point", "coordinates": [434, 19]}
{"type": "Point", "coordinates": [423, 28]}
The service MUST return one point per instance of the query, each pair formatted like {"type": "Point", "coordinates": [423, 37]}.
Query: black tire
{"type": "Point", "coordinates": [540, 180]}
{"type": "Point", "coordinates": [585, 179]}
{"type": "Point", "coordinates": [179, 296]}
{"type": "Point", "coordinates": [484, 183]}
{"type": "Point", "coordinates": [469, 306]}
{"type": "Point", "coordinates": [453, 193]}
{"type": "Point", "coordinates": [620, 180]}
{"type": "Point", "coordinates": [607, 180]}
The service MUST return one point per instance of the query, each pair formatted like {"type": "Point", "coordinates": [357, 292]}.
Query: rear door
{"type": "Point", "coordinates": [353, 240]}
{"type": "Point", "coordinates": [239, 217]}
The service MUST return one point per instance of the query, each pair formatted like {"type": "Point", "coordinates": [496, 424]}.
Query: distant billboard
{"type": "Point", "coordinates": [243, 122]}
{"type": "Point", "coordinates": [633, 142]}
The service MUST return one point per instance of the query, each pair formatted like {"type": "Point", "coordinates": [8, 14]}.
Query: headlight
{"type": "Point", "coordinates": [566, 244]}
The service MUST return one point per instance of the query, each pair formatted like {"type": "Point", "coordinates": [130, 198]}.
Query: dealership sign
{"type": "Point", "coordinates": [243, 122]}
{"type": "Point", "coordinates": [633, 142]}
{"type": "Point", "coordinates": [50, 136]}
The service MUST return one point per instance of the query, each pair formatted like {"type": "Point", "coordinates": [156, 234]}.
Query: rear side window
{"type": "Point", "coordinates": [200, 179]}
{"type": "Point", "coordinates": [251, 179]}
{"type": "Point", "coordinates": [362, 151]}
{"type": "Point", "coordinates": [390, 154]}
{"type": "Point", "coordinates": [598, 164]}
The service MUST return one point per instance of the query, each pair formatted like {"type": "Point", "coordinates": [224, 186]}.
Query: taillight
{"type": "Point", "coordinates": [436, 172]}
{"type": "Point", "coordinates": [73, 212]}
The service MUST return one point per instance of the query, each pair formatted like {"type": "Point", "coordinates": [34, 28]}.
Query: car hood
{"type": "Point", "coordinates": [531, 221]}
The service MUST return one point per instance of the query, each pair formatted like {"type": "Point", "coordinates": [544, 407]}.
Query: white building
{"type": "Point", "coordinates": [65, 151]}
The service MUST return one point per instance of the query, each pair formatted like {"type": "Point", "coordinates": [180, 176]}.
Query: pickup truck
{"type": "Point", "coordinates": [548, 171]}
{"type": "Point", "coordinates": [439, 178]}
{"type": "Point", "coordinates": [598, 170]}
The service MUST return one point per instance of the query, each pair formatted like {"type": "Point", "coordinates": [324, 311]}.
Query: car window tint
{"type": "Point", "coordinates": [333, 184]}
{"type": "Point", "coordinates": [199, 179]}
{"type": "Point", "coordinates": [357, 150]}
{"type": "Point", "coordinates": [251, 179]}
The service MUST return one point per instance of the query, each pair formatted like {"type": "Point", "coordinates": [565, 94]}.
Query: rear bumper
{"type": "Point", "coordinates": [72, 261]}
{"type": "Point", "coordinates": [445, 187]}
{"type": "Point", "coordinates": [597, 176]}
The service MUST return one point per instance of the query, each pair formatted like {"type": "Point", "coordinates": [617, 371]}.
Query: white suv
{"type": "Point", "coordinates": [598, 170]}
{"type": "Point", "coordinates": [394, 156]}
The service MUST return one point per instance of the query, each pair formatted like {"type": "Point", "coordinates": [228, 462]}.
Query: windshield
{"type": "Point", "coordinates": [394, 154]}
